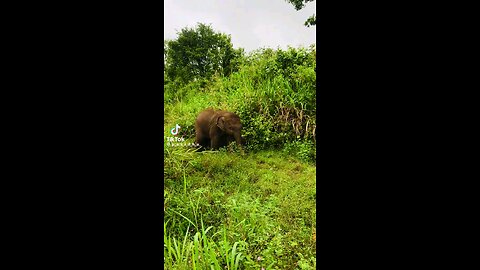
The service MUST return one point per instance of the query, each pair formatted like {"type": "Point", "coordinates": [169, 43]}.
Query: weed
{"type": "Point", "coordinates": [227, 211]}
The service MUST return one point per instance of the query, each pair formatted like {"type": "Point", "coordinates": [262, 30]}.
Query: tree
{"type": "Point", "coordinates": [199, 53]}
{"type": "Point", "coordinates": [299, 4]}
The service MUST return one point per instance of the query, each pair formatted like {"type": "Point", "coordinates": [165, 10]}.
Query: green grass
{"type": "Point", "coordinates": [258, 205]}
{"type": "Point", "coordinates": [223, 210]}
{"type": "Point", "coordinates": [274, 95]}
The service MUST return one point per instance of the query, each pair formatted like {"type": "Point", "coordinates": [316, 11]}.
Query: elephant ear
{"type": "Point", "coordinates": [221, 122]}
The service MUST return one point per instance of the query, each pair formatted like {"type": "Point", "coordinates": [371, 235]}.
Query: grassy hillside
{"type": "Point", "coordinates": [245, 212]}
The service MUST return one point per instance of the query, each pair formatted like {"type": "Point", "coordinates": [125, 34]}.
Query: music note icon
{"type": "Point", "coordinates": [175, 130]}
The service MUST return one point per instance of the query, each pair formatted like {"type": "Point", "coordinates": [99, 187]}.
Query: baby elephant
{"type": "Point", "coordinates": [216, 129]}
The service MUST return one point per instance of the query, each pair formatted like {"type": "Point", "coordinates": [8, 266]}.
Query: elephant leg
{"type": "Point", "coordinates": [207, 143]}
{"type": "Point", "coordinates": [203, 141]}
{"type": "Point", "coordinates": [214, 142]}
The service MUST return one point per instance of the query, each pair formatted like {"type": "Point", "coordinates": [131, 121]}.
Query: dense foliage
{"type": "Point", "coordinates": [199, 53]}
{"type": "Point", "coordinates": [273, 92]}
{"type": "Point", "coordinates": [223, 210]}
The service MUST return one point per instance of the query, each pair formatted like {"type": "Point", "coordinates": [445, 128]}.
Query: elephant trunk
{"type": "Point", "coordinates": [238, 139]}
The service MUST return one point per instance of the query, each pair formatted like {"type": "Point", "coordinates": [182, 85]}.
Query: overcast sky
{"type": "Point", "coordinates": [252, 24]}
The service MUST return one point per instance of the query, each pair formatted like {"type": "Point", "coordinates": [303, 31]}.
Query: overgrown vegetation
{"type": "Point", "coordinates": [227, 211]}
{"type": "Point", "coordinates": [259, 210]}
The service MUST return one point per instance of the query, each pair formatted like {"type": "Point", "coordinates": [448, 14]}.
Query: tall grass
{"type": "Point", "coordinates": [273, 92]}
{"type": "Point", "coordinates": [202, 251]}
{"type": "Point", "coordinates": [227, 211]}
{"type": "Point", "coordinates": [265, 202]}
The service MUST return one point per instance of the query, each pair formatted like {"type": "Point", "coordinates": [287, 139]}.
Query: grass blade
{"type": "Point", "coordinates": [185, 218]}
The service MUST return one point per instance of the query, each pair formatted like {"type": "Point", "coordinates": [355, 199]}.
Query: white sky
{"type": "Point", "coordinates": [252, 24]}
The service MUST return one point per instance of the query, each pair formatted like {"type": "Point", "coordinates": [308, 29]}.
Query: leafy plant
{"type": "Point", "coordinates": [223, 210]}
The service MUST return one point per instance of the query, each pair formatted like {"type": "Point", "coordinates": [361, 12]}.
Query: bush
{"type": "Point", "coordinates": [273, 92]}
{"type": "Point", "coordinates": [303, 150]}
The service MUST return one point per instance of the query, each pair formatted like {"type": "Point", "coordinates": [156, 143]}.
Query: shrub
{"type": "Point", "coordinates": [273, 92]}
